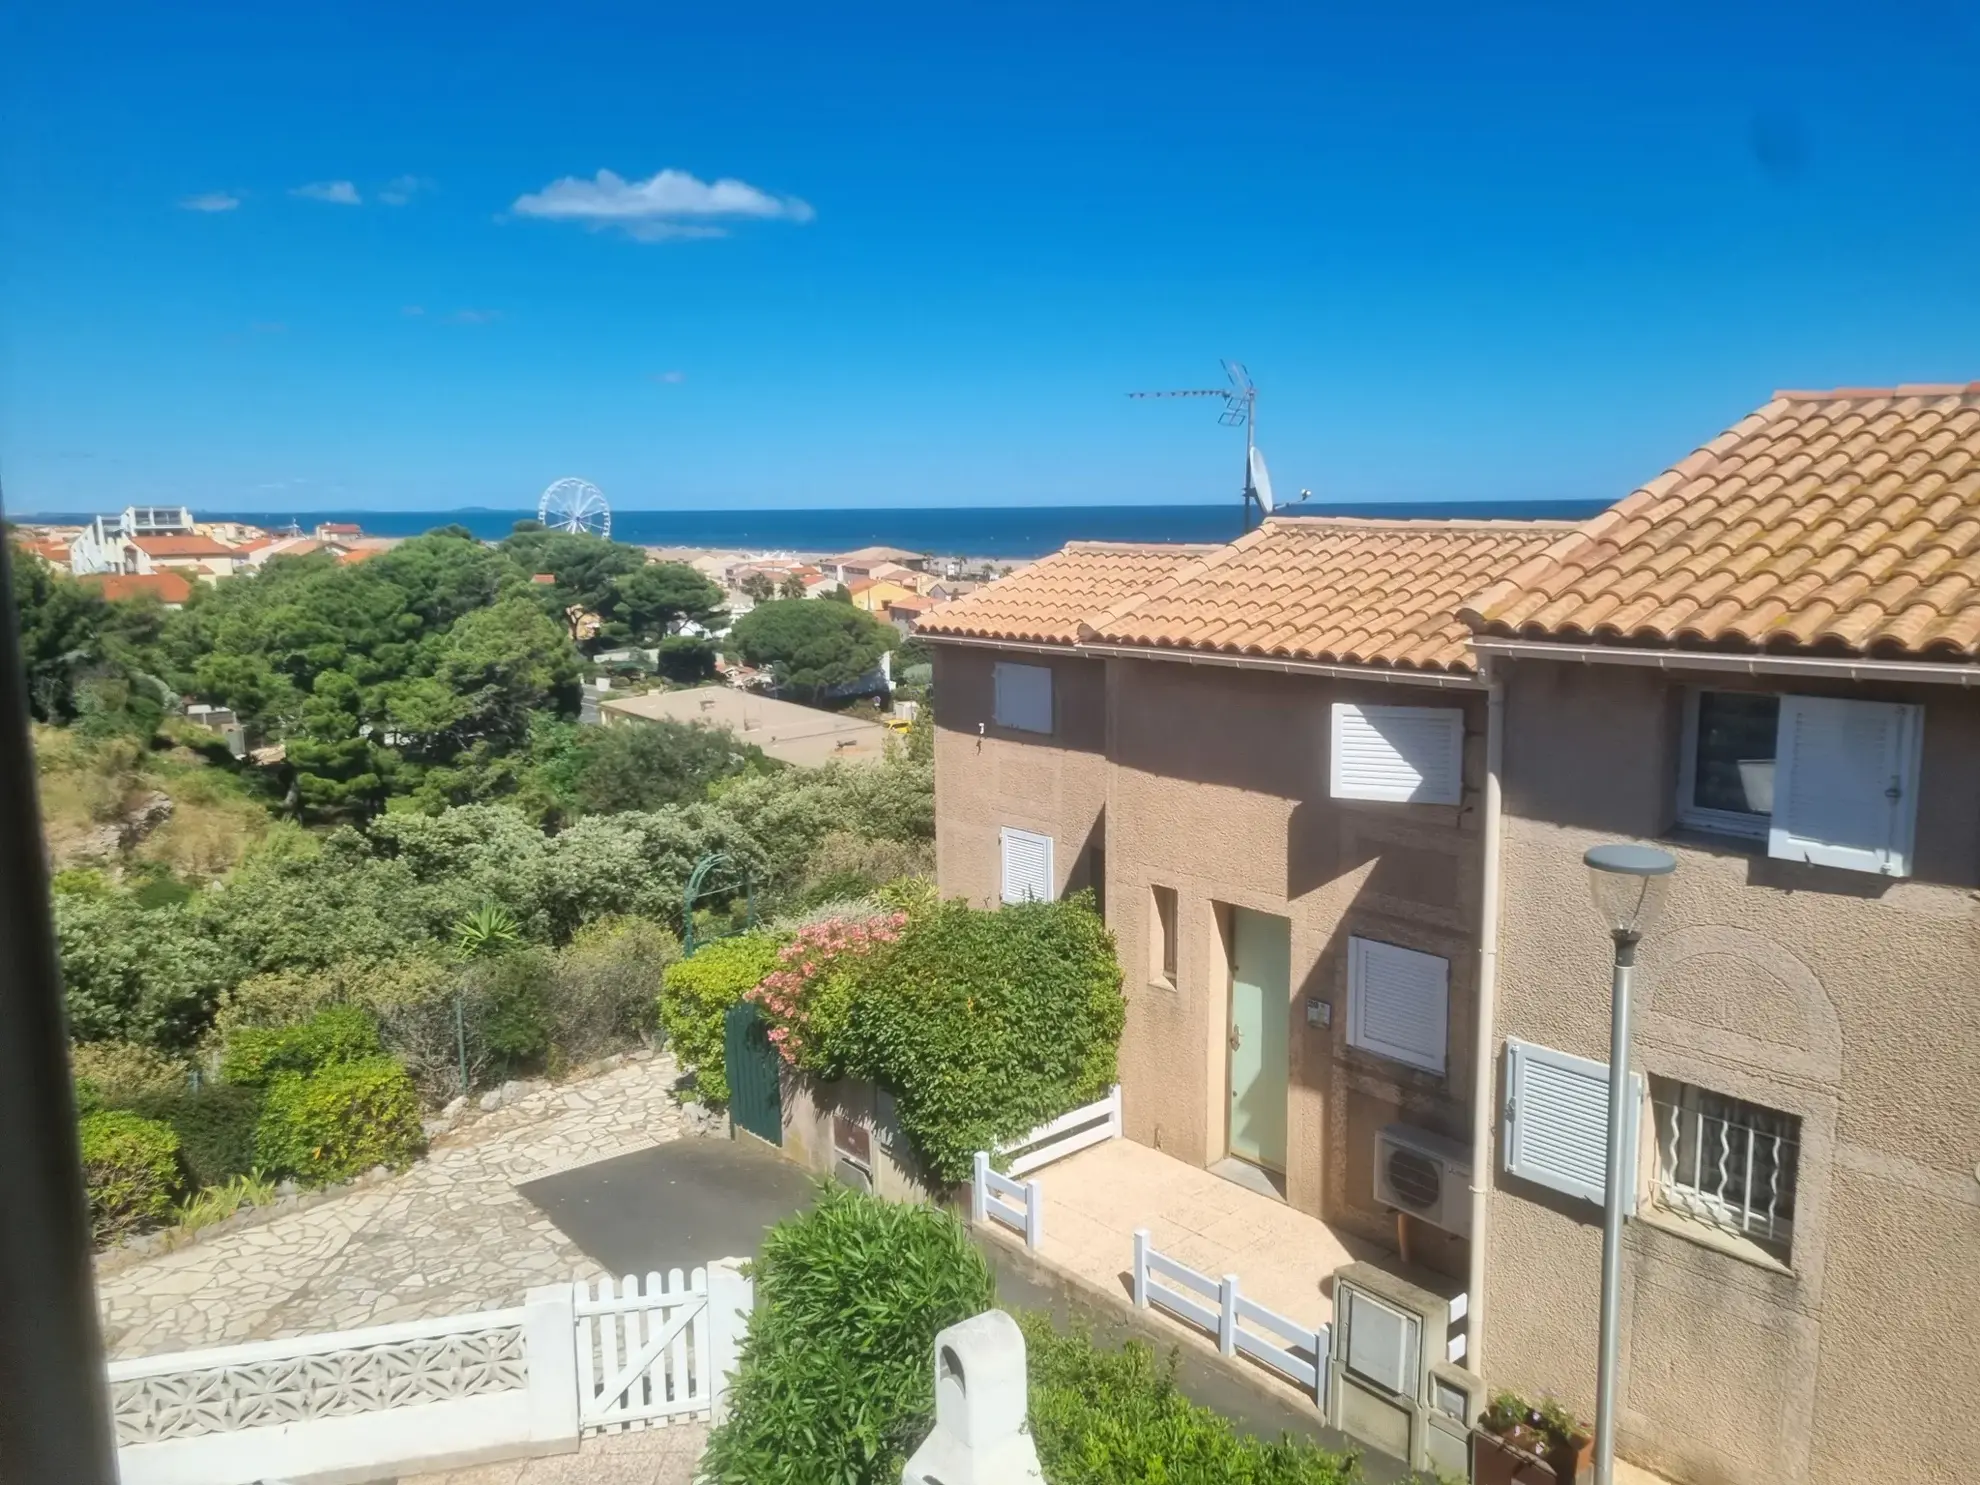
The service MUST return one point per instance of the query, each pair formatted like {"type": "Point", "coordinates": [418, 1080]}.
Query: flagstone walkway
{"type": "Point", "coordinates": [450, 1235]}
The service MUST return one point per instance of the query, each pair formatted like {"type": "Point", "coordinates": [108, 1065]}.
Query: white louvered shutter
{"type": "Point", "coordinates": [1399, 1003]}
{"type": "Point", "coordinates": [1404, 754]}
{"type": "Point", "coordinates": [1846, 783]}
{"type": "Point", "coordinates": [1383, 1342]}
{"type": "Point", "coordinates": [1027, 866]}
{"type": "Point", "coordinates": [1556, 1131]}
{"type": "Point", "coordinates": [1023, 696]}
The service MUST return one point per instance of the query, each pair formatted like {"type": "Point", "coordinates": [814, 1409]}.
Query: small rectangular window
{"type": "Point", "coordinates": [1729, 1164]}
{"type": "Point", "coordinates": [1027, 866]}
{"type": "Point", "coordinates": [1162, 936]}
{"type": "Point", "coordinates": [1728, 774]}
{"type": "Point", "coordinates": [1399, 1003]}
{"type": "Point", "coordinates": [1023, 696]}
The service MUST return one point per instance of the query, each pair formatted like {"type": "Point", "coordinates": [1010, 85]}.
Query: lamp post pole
{"type": "Point", "coordinates": [1612, 1211]}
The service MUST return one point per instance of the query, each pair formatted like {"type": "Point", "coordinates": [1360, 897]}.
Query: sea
{"type": "Point", "coordinates": [1003, 532]}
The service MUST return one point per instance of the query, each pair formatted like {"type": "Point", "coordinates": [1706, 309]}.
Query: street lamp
{"type": "Point", "coordinates": [1628, 885]}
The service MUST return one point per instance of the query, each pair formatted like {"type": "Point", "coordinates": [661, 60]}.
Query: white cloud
{"type": "Point", "coordinates": [401, 189]}
{"type": "Point", "coordinates": [336, 192]}
{"type": "Point", "coordinates": [668, 205]}
{"type": "Point", "coordinates": [211, 201]}
{"type": "Point", "coordinates": [671, 378]}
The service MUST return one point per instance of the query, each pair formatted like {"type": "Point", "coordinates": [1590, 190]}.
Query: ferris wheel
{"type": "Point", "coordinates": [577, 506]}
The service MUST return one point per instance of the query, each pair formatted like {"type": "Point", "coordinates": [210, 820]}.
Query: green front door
{"type": "Point", "coordinates": [1261, 996]}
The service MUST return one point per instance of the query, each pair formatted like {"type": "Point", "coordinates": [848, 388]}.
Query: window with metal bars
{"type": "Point", "coordinates": [1727, 1163]}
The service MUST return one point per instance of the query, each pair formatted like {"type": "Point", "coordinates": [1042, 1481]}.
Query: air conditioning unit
{"type": "Point", "coordinates": [1425, 1175]}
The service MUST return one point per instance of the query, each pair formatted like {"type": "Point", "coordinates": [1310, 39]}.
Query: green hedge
{"type": "Point", "coordinates": [131, 1167]}
{"type": "Point", "coordinates": [698, 992]}
{"type": "Point", "coordinates": [1114, 1417]}
{"type": "Point", "coordinates": [984, 1025]}
{"type": "Point", "coordinates": [339, 1121]}
{"type": "Point", "coordinates": [834, 1381]}
{"type": "Point", "coordinates": [215, 1124]}
{"type": "Point", "coordinates": [257, 1055]}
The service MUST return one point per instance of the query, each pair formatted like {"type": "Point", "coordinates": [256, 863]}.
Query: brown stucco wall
{"type": "Point", "coordinates": [995, 777]}
{"type": "Point", "coordinates": [1851, 1001]}
{"type": "Point", "coordinates": [1218, 789]}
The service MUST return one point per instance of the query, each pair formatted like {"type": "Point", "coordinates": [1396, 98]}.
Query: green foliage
{"type": "Point", "coordinates": [131, 1169]}
{"type": "Point", "coordinates": [215, 1124]}
{"type": "Point", "coordinates": [813, 648]}
{"type": "Point", "coordinates": [511, 994]}
{"type": "Point", "coordinates": [632, 766]}
{"type": "Point", "coordinates": [257, 1056]}
{"type": "Point", "coordinates": [605, 986]}
{"type": "Point", "coordinates": [1115, 1417]}
{"type": "Point", "coordinates": [489, 928]}
{"type": "Point", "coordinates": [339, 1121]}
{"type": "Point", "coordinates": [216, 1203]}
{"type": "Point", "coordinates": [834, 1382]}
{"type": "Point", "coordinates": [698, 993]}
{"type": "Point", "coordinates": [137, 974]}
{"type": "Point", "coordinates": [118, 1073]}
{"type": "Point", "coordinates": [80, 654]}
{"type": "Point", "coordinates": [653, 602]}
{"type": "Point", "coordinates": [986, 1024]}
{"type": "Point", "coordinates": [687, 659]}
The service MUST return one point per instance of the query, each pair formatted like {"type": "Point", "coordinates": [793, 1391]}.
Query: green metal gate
{"type": "Point", "coordinates": [751, 1063]}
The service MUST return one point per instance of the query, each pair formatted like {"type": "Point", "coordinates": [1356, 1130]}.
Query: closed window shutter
{"type": "Point", "coordinates": [1398, 1003]}
{"type": "Point", "coordinates": [1404, 754]}
{"type": "Point", "coordinates": [1556, 1130]}
{"type": "Point", "coordinates": [1023, 696]}
{"type": "Point", "coordinates": [1846, 783]}
{"type": "Point", "coordinates": [1027, 866]}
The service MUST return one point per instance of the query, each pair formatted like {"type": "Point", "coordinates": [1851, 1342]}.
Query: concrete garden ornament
{"type": "Point", "coordinates": [980, 1436]}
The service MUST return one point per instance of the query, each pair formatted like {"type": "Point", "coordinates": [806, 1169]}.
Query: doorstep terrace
{"type": "Point", "coordinates": [450, 1235]}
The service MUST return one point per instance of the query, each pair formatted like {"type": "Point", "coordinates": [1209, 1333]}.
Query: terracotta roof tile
{"type": "Point", "coordinates": [1330, 589]}
{"type": "Point", "coordinates": [1842, 520]}
{"type": "Point", "coordinates": [181, 546]}
{"type": "Point", "coordinates": [1045, 602]}
{"type": "Point", "coordinates": [166, 587]}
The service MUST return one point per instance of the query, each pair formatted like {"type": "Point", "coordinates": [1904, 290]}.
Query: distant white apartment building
{"type": "Point", "coordinates": [105, 543]}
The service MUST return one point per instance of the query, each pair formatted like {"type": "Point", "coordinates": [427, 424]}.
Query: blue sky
{"type": "Point", "coordinates": [1502, 252]}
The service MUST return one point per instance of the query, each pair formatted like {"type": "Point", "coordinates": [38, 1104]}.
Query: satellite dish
{"type": "Point", "coordinates": [1261, 480]}
{"type": "Point", "coordinates": [577, 506]}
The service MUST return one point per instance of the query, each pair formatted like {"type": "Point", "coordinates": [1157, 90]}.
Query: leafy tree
{"type": "Point", "coordinates": [644, 765]}
{"type": "Point", "coordinates": [136, 974]}
{"type": "Point", "coordinates": [840, 593]}
{"type": "Point", "coordinates": [658, 599]}
{"type": "Point", "coordinates": [585, 571]}
{"type": "Point", "coordinates": [791, 587]}
{"type": "Point", "coordinates": [813, 648]}
{"type": "Point", "coordinates": [70, 633]}
{"type": "Point", "coordinates": [758, 588]}
{"type": "Point", "coordinates": [687, 659]}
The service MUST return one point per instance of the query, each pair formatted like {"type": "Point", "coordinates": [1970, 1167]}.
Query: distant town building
{"type": "Point", "coordinates": [169, 588]}
{"type": "Point", "coordinates": [101, 546]}
{"type": "Point", "coordinates": [860, 564]}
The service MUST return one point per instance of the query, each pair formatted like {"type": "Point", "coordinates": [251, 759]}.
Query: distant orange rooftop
{"type": "Point", "coordinates": [182, 546]}
{"type": "Point", "coordinates": [1827, 522]}
{"type": "Point", "coordinates": [1330, 589]}
{"type": "Point", "coordinates": [166, 587]}
{"type": "Point", "coordinates": [1046, 602]}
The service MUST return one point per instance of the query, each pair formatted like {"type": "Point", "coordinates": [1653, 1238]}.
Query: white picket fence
{"type": "Point", "coordinates": [1019, 1205]}
{"type": "Point", "coordinates": [1296, 1352]}
{"type": "Point", "coordinates": [431, 1395]}
{"type": "Point", "coordinates": [1089, 1125]}
{"type": "Point", "coordinates": [653, 1353]}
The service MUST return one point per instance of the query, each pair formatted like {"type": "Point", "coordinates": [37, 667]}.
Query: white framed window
{"type": "Point", "coordinates": [1022, 696]}
{"type": "Point", "coordinates": [1818, 778]}
{"type": "Point", "coordinates": [1729, 1164]}
{"type": "Point", "coordinates": [1556, 1122]}
{"type": "Point", "coordinates": [1403, 754]}
{"type": "Point", "coordinates": [1399, 1003]}
{"type": "Point", "coordinates": [1027, 866]}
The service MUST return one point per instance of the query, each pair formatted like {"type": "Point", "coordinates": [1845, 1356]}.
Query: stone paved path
{"type": "Point", "coordinates": [655, 1456]}
{"type": "Point", "coordinates": [450, 1235]}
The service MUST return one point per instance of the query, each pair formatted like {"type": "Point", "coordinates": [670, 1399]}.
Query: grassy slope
{"type": "Point", "coordinates": [86, 784]}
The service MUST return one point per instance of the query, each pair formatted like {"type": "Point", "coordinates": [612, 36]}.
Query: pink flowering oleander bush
{"type": "Point", "coordinates": [809, 995]}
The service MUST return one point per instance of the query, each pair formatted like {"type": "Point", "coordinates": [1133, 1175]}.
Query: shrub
{"type": "Point", "coordinates": [985, 1024]}
{"type": "Point", "coordinates": [605, 986]}
{"type": "Point", "coordinates": [697, 994]}
{"type": "Point", "coordinates": [119, 1072]}
{"type": "Point", "coordinates": [810, 994]}
{"type": "Point", "coordinates": [131, 1167]}
{"type": "Point", "coordinates": [255, 1056]}
{"type": "Point", "coordinates": [510, 995]}
{"type": "Point", "coordinates": [215, 1124]}
{"type": "Point", "coordinates": [834, 1380]}
{"type": "Point", "coordinates": [1114, 1417]}
{"type": "Point", "coordinates": [338, 1121]}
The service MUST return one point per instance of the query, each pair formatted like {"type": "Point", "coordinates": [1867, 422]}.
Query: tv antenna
{"type": "Point", "coordinates": [1240, 410]}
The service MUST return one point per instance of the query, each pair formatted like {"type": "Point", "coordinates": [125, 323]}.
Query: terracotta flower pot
{"type": "Point", "coordinates": [1573, 1459]}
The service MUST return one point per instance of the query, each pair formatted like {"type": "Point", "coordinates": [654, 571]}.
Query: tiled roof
{"type": "Point", "coordinates": [166, 587]}
{"type": "Point", "coordinates": [181, 546]}
{"type": "Point", "coordinates": [1830, 521]}
{"type": "Point", "coordinates": [1332, 590]}
{"type": "Point", "coordinates": [1045, 602]}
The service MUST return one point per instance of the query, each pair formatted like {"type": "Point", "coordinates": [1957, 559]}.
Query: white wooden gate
{"type": "Point", "coordinates": [644, 1355]}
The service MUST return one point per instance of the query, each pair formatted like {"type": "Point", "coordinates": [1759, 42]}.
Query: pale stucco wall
{"type": "Point", "coordinates": [997, 777]}
{"type": "Point", "coordinates": [1848, 1000]}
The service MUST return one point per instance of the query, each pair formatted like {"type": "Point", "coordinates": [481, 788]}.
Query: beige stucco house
{"type": "Point", "coordinates": [1765, 661]}
{"type": "Point", "coordinates": [1264, 759]}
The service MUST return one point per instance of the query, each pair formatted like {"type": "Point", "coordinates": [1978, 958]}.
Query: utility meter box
{"type": "Point", "coordinates": [1391, 1379]}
